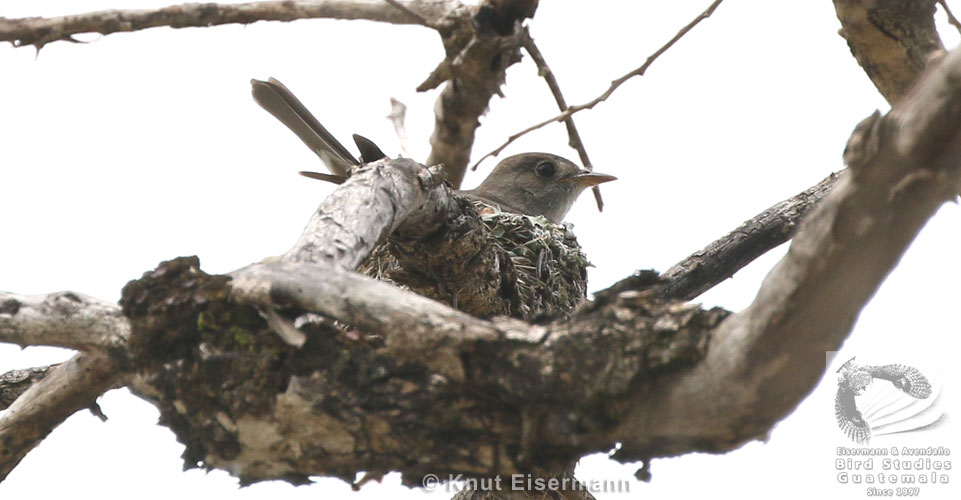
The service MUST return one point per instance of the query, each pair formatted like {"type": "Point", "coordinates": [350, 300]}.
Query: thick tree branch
{"type": "Point", "coordinates": [371, 204]}
{"type": "Point", "coordinates": [68, 388]}
{"type": "Point", "coordinates": [890, 40]}
{"type": "Point", "coordinates": [431, 336]}
{"type": "Point", "coordinates": [38, 31]}
{"type": "Point", "coordinates": [47, 396]}
{"type": "Point", "coordinates": [63, 319]}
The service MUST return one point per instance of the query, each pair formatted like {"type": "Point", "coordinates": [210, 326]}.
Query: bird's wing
{"type": "Point", "coordinates": [849, 418]}
{"type": "Point", "coordinates": [274, 97]}
{"type": "Point", "coordinates": [907, 378]}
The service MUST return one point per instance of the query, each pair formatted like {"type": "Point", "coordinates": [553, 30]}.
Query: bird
{"type": "Point", "coordinates": [534, 184]}
{"type": "Point", "coordinates": [855, 379]}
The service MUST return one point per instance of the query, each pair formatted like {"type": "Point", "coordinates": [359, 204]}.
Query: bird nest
{"type": "Point", "coordinates": [511, 264]}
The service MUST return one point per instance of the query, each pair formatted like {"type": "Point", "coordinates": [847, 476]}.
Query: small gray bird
{"type": "Point", "coordinates": [529, 183]}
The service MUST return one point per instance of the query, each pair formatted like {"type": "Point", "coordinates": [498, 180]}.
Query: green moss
{"type": "Point", "coordinates": [194, 346]}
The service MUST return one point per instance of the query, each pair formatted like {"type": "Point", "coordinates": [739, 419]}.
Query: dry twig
{"type": "Point", "coordinates": [574, 138]}
{"type": "Point", "coordinates": [610, 90]}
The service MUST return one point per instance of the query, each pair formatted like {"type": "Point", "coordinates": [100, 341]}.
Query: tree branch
{"type": "Point", "coordinates": [16, 382]}
{"type": "Point", "coordinates": [610, 90]}
{"type": "Point", "coordinates": [479, 51]}
{"type": "Point", "coordinates": [390, 192]}
{"type": "Point", "coordinates": [38, 31]}
{"type": "Point", "coordinates": [45, 397]}
{"type": "Point", "coordinates": [574, 138]}
{"type": "Point", "coordinates": [63, 319]}
{"type": "Point", "coordinates": [890, 40]}
{"type": "Point", "coordinates": [481, 42]}
{"type": "Point", "coordinates": [718, 261]}
{"type": "Point", "coordinates": [71, 386]}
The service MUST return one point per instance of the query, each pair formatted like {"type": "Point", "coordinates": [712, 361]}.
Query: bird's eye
{"type": "Point", "coordinates": [545, 169]}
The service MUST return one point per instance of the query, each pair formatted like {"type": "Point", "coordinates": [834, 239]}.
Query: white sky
{"type": "Point", "coordinates": [141, 147]}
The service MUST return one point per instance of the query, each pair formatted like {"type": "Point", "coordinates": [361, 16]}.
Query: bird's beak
{"type": "Point", "coordinates": [586, 178]}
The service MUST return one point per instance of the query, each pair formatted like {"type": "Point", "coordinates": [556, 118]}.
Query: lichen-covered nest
{"type": "Point", "coordinates": [516, 265]}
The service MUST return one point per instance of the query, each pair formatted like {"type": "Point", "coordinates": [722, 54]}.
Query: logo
{"type": "Point", "coordinates": [895, 404]}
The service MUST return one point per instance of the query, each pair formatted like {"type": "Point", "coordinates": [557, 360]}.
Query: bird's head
{"type": "Point", "coordinates": [539, 184]}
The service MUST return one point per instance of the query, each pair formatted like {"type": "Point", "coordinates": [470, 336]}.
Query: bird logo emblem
{"type": "Point", "coordinates": [855, 380]}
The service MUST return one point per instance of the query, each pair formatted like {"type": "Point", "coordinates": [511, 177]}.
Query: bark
{"type": "Point", "coordinates": [64, 319]}
{"type": "Point", "coordinates": [891, 40]}
{"type": "Point", "coordinates": [411, 385]}
{"type": "Point", "coordinates": [16, 382]}
{"type": "Point", "coordinates": [374, 202]}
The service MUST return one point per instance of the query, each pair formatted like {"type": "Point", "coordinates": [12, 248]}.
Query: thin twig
{"type": "Point", "coordinates": [951, 19]}
{"type": "Point", "coordinates": [574, 139]}
{"type": "Point", "coordinates": [614, 85]}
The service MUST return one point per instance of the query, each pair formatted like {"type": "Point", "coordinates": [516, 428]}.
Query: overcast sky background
{"type": "Point", "coordinates": [141, 147]}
